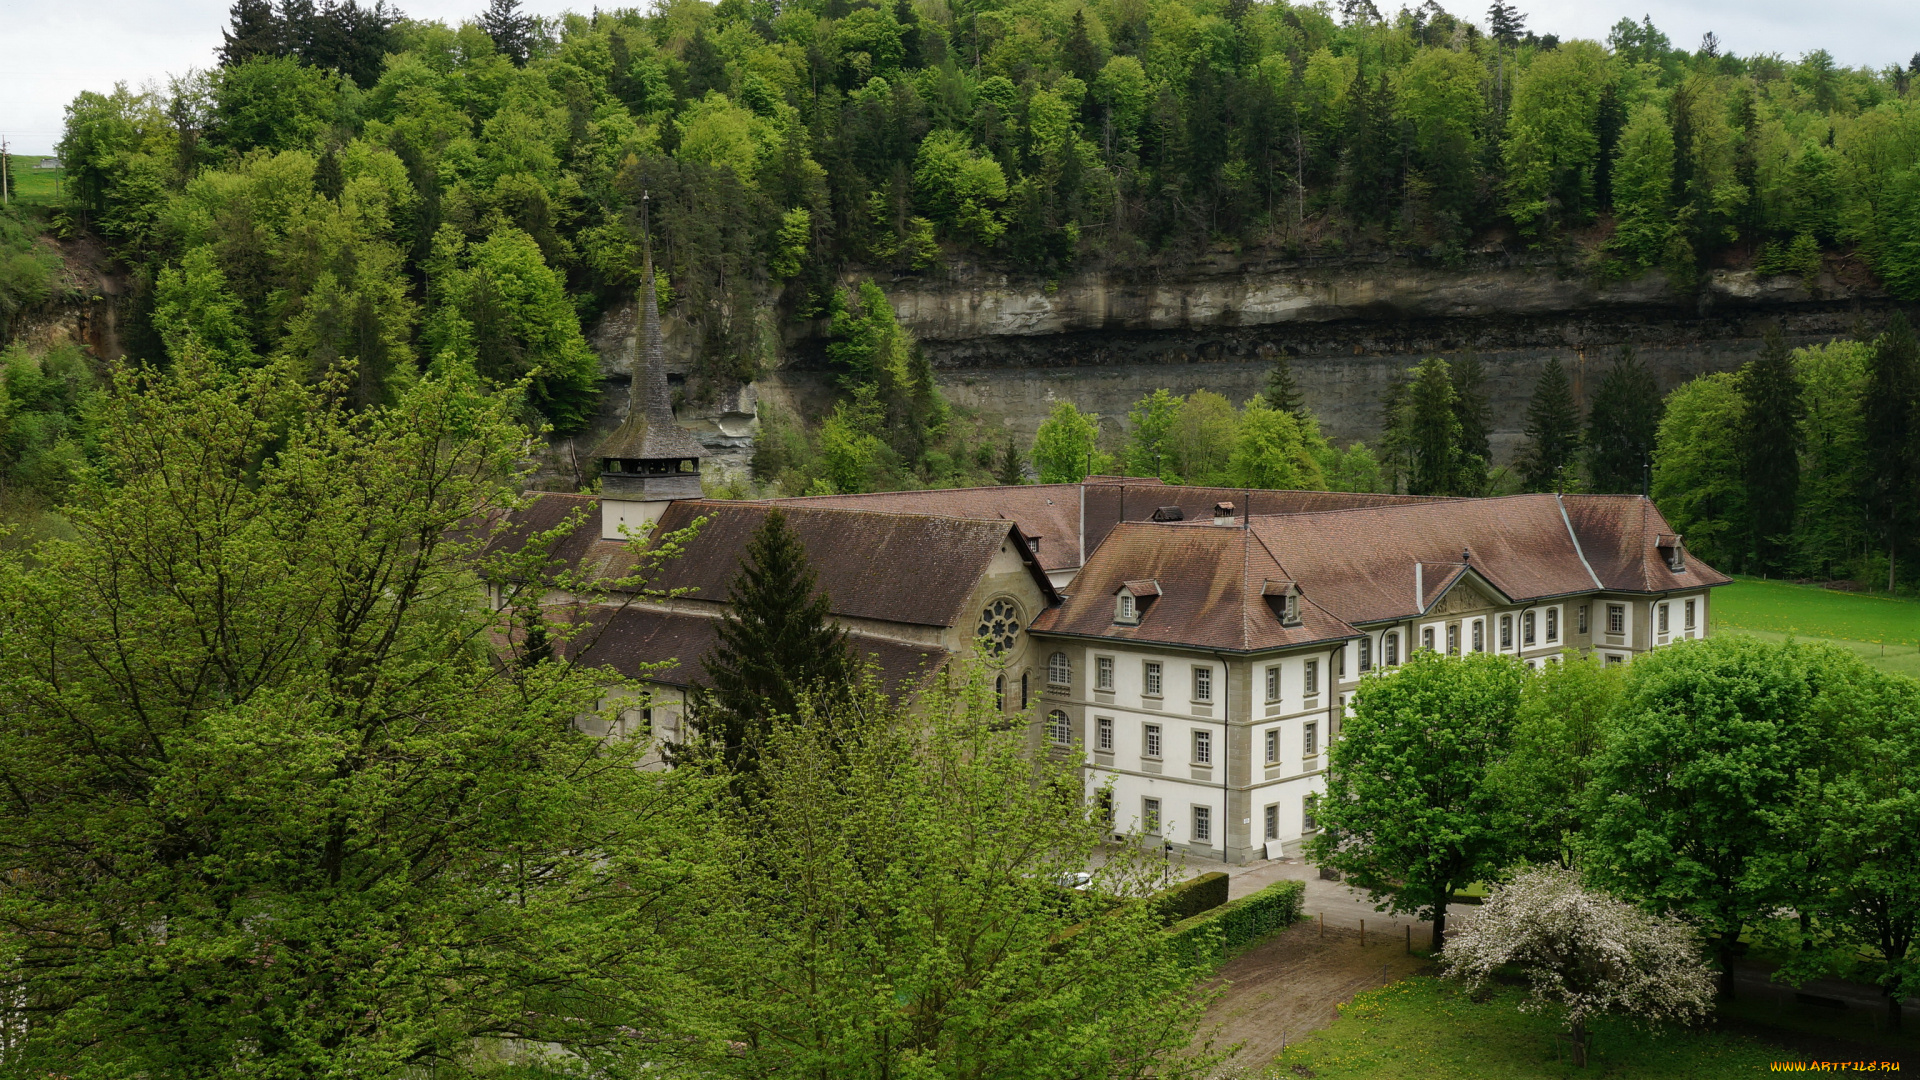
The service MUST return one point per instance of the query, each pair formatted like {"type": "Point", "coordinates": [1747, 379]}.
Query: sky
{"type": "Point", "coordinates": [50, 51]}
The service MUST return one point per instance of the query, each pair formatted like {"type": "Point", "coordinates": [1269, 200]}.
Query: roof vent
{"type": "Point", "coordinates": [1169, 513]}
{"type": "Point", "coordinates": [1466, 556]}
{"type": "Point", "coordinates": [1223, 513]}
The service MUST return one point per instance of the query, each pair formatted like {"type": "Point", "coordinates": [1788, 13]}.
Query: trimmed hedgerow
{"type": "Point", "coordinates": [1211, 936]}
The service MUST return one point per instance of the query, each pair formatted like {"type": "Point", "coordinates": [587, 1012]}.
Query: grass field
{"type": "Point", "coordinates": [39, 187]}
{"type": "Point", "coordinates": [1881, 631]}
{"type": "Point", "coordinates": [1423, 1028]}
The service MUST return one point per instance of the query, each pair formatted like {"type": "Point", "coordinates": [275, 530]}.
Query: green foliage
{"type": "Point", "coordinates": [272, 103]}
{"type": "Point", "coordinates": [775, 647]}
{"type": "Point", "coordinates": [1212, 936]}
{"type": "Point", "coordinates": [1185, 899]}
{"type": "Point", "coordinates": [1150, 426]}
{"type": "Point", "coordinates": [1891, 417]}
{"type": "Point", "coordinates": [1064, 448]}
{"type": "Point", "coordinates": [1643, 188]}
{"type": "Point", "coordinates": [1553, 431]}
{"type": "Point", "coordinates": [1770, 450]}
{"type": "Point", "coordinates": [1426, 425]}
{"type": "Point", "coordinates": [1622, 425]}
{"type": "Point", "coordinates": [1705, 750]}
{"type": "Point", "coordinates": [1205, 429]}
{"type": "Point", "coordinates": [1831, 534]}
{"type": "Point", "coordinates": [1274, 450]}
{"type": "Point", "coordinates": [1696, 472]}
{"type": "Point", "coordinates": [1410, 813]}
{"type": "Point", "coordinates": [1551, 143]}
{"type": "Point", "coordinates": [47, 425]}
{"type": "Point", "coordinates": [273, 786]}
{"type": "Point", "coordinates": [1283, 391]}
{"type": "Point", "coordinates": [1558, 732]}
{"type": "Point", "coordinates": [27, 270]}
{"type": "Point", "coordinates": [893, 911]}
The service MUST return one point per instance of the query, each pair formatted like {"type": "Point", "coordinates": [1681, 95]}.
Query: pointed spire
{"type": "Point", "coordinates": [649, 433]}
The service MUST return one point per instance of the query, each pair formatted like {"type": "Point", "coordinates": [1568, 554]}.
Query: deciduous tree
{"type": "Point", "coordinates": [1409, 813]}
{"type": "Point", "coordinates": [1584, 954]}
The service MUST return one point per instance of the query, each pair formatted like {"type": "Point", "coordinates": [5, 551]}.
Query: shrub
{"type": "Point", "coordinates": [1189, 898]}
{"type": "Point", "coordinates": [1212, 936]}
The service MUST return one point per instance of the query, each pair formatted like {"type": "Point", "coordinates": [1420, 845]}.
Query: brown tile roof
{"type": "Point", "coordinates": [1212, 583]}
{"type": "Point", "coordinates": [1622, 534]}
{"type": "Point", "coordinates": [1053, 511]}
{"type": "Point", "coordinates": [629, 639]}
{"type": "Point", "coordinates": [904, 568]}
{"type": "Point", "coordinates": [1049, 511]}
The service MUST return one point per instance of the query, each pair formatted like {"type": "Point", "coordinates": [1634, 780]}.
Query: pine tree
{"type": "Point", "coordinates": [511, 31]}
{"type": "Point", "coordinates": [1475, 452]}
{"type": "Point", "coordinates": [1013, 465]}
{"type": "Point", "coordinates": [1283, 392]}
{"type": "Point", "coordinates": [1395, 447]}
{"type": "Point", "coordinates": [1553, 430]}
{"type": "Point", "coordinates": [256, 31]}
{"type": "Point", "coordinates": [1433, 429]}
{"type": "Point", "coordinates": [1892, 420]}
{"type": "Point", "coordinates": [1770, 450]}
{"type": "Point", "coordinates": [1082, 55]}
{"type": "Point", "coordinates": [1622, 426]}
{"type": "Point", "coordinates": [776, 645]}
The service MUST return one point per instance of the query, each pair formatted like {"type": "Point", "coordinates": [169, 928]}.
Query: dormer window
{"type": "Point", "coordinates": [1670, 548]}
{"type": "Point", "coordinates": [1286, 600]}
{"type": "Point", "coordinates": [1130, 598]}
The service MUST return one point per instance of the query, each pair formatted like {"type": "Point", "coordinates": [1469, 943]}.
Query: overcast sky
{"type": "Point", "coordinates": [51, 50]}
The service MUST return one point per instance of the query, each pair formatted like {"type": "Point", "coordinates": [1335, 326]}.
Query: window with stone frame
{"type": "Point", "coordinates": [1479, 635]}
{"type": "Point", "coordinates": [1203, 684]}
{"type": "Point", "coordinates": [1453, 639]}
{"type": "Point", "coordinates": [1662, 618]}
{"type": "Point", "coordinates": [1059, 728]}
{"type": "Point", "coordinates": [1366, 655]}
{"type": "Point", "coordinates": [1390, 649]}
{"type": "Point", "coordinates": [1689, 624]}
{"type": "Point", "coordinates": [1309, 739]}
{"type": "Point", "coordinates": [1616, 618]}
{"type": "Point", "coordinates": [1103, 734]}
{"type": "Point", "coordinates": [1273, 683]}
{"type": "Point", "coordinates": [1310, 679]}
{"type": "Point", "coordinates": [1553, 625]}
{"type": "Point", "coordinates": [1506, 632]}
{"type": "Point", "coordinates": [1202, 747]}
{"type": "Point", "coordinates": [1103, 673]}
{"type": "Point", "coordinates": [1273, 746]}
{"type": "Point", "coordinates": [1150, 741]}
{"type": "Point", "coordinates": [1273, 821]}
{"type": "Point", "coordinates": [1150, 678]}
{"type": "Point", "coordinates": [1526, 629]}
{"type": "Point", "coordinates": [1150, 816]}
{"type": "Point", "coordinates": [1059, 670]}
{"type": "Point", "coordinates": [1203, 824]}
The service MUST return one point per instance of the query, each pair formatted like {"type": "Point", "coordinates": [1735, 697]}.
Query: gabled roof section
{"type": "Point", "coordinates": [1212, 592]}
{"type": "Point", "coordinates": [1359, 563]}
{"type": "Point", "coordinates": [1048, 511]}
{"type": "Point", "coordinates": [1439, 579]}
{"type": "Point", "coordinates": [1148, 587]}
{"type": "Point", "coordinates": [1621, 535]}
{"type": "Point", "coordinates": [904, 568]}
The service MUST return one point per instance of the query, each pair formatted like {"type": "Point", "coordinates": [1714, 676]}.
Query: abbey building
{"type": "Point", "coordinates": [1194, 648]}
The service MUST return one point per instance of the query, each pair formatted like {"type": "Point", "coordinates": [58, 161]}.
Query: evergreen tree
{"type": "Point", "coordinates": [1283, 392]}
{"type": "Point", "coordinates": [1770, 450]}
{"type": "Point", "coordinates": [511, 31]}
{"type": "Point", "coordinates": [1475, 452]}
{"type": "Point", "coordinates": [776, 645]}
{"type": "Point", "coordinates": [1082, 55]}
{"type": "Point", "coordinates": [1395, 450]}
{"type": "Point", "coordinates": [1892, 408]}
{"type": "Point", "coordinates": [1553, 430]}
{"type": "Point", "coordinates": [1432, 430]}
{"type": "Point", "coordinates": [256, 31]}
{"type": "Point", "coordinates": [1623, 425]}
{"type": "Point", "coordinates": [1013, 465]}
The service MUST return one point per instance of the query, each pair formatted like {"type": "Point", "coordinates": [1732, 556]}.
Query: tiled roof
{"type": "Point", "coordinates": [629, 639]}
{"type": "Point", "coordinates": [903, 568]}
{"type": "Point", "coordinates": [1053, 511]}
{"type": "Point", "coordinates": [1621, 536]}
{"type": "Point", "coordinates": [1048, 511]}
{"type": "Point", "coordinates": [1212, 583]}
{"type": "Point", "coordinates": [1358, 566]}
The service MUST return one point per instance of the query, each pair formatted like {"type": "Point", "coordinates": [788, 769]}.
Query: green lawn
{"type": "Point", "coordinates": [1883, 632]}
{"type": "Point", "coordinates": [35, 186]}
{"type": "Point", "coordinates": [1425, 1028]}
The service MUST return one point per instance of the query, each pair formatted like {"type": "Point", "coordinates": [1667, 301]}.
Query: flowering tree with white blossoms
{"type": "Point", "coordinates": [1584, 952]}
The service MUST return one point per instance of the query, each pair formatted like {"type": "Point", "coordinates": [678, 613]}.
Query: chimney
{"type": "Point", "coordinates": [1223, 513]}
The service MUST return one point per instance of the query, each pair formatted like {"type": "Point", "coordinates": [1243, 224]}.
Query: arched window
{"type": "Point", "coordinates": [1059, 731]}
{"type": "Point", "coordinates": [1000, 692]}
{"type": "Point", "coordinates": [1479, 635]}
{"type": "Point", "coordinates": [1390, 649]}
{"type": "Point", "coordinates": [1059, 670]}
{"type": "Point", "coordinates": [1023, 690]}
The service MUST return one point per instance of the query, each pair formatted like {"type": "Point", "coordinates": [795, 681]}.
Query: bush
{"type": "Point", "coordinates": [1189, 898]}
{"type": "Point", "coordinates": [1211, 936]}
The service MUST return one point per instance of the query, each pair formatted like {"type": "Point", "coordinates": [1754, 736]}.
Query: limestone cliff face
{"type": "Point", "coordinates": [1010, 345]}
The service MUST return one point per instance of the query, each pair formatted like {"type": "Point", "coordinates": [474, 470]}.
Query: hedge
{"type": "Point", "coordinates": [1210, 937]}
{"type": "Point", "coordinates": [1189, 898]}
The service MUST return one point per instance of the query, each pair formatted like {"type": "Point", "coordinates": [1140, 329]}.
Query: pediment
{"type": "Point", "coordinates": [1467, 594]}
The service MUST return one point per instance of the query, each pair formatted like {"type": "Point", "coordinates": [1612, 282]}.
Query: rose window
{"type": "Point", "coordinates": [999, 623]}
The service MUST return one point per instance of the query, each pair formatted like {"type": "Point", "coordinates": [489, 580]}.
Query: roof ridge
{"type": "Point", "coordinates": [909, 491]}
{"type": "Point", "coordinates": [1573, 537]}
{"type": "Point", "coordinates": [1004, 522]}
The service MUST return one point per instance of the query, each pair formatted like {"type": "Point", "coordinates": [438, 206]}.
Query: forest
{"type": "Point", "coordinates": [351, 189]}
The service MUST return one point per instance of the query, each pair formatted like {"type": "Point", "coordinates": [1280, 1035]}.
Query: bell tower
{"type": "Point", "coordinates": [648, 461]}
